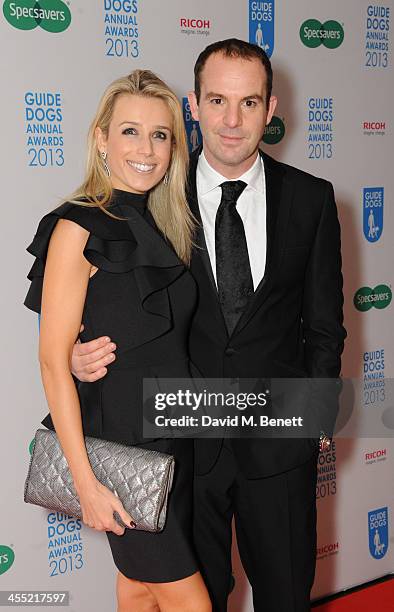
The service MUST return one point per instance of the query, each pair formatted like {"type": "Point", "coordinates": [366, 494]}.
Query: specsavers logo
{"type": "Point", "coordinates": [365, 298]}
{"type": "Point", "coordinates": [330, 34]}
{"type": "Point", "coordinates": [274, 131]}
{"type": "Point", "coordinates": [50, 15]}
{"type": "Point", "coordinates": [7, 557]}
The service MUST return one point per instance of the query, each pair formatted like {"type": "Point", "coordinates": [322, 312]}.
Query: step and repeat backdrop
{"type": "Point", "coordinates": [334, 78]}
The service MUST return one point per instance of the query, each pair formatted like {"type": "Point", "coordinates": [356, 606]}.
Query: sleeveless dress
{"type": "Point", "coordinates": [143, 298]}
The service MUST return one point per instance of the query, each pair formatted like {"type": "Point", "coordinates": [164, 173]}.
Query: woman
{"type": "Point", "coordinates": [102, 258]}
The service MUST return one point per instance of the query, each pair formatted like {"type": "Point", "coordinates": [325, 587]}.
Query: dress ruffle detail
{"type": "Point", "coordinates": [115, 246]}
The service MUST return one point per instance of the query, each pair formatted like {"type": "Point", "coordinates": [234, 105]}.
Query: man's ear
{"type": "Point", "coordinates": [191, 96]}
{"type": "Point", "coordinates": [100, 139]}
{"type": "Point", "coordinates": [271, 108]}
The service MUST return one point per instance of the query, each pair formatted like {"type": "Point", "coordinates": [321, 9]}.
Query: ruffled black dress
{"type": "Point", "coordinates": [143, 297]}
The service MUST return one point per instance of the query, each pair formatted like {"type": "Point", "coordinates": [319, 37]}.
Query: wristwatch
{"type": "Point", "coordinates": [324, 442]}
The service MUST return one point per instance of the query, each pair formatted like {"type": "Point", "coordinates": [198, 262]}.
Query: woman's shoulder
{"type": "Point", "coordinates": [110, 245]}
{"type": "Point", "coordinates": [91, 218]}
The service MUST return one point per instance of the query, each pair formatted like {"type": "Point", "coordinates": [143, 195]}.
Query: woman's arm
{"type": "Point", "coordinates": [65, 284]}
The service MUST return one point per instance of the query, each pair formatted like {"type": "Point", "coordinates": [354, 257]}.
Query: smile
{"type": "Point", "coordinates": [141, 167]}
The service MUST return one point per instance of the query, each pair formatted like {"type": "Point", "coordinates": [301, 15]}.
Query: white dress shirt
{"type": "Point", "coordinates": [251, 206]}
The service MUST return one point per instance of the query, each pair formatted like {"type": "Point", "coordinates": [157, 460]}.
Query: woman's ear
{"type": "Point", "coordinates": [100, 140]}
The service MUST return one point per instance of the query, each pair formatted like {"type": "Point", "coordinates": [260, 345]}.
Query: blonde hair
{"type": "Point", "coordinates": [167, 202]}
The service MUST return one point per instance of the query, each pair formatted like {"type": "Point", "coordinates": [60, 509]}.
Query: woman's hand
{"type": "Point", "coordinates": [98, 505]}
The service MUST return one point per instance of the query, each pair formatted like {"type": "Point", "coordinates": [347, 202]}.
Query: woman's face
{"type": "Point", "coordinates": [139, 142]}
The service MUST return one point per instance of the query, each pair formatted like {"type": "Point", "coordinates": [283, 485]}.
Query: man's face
{"type": "Point", "coordinates": [232, 112]}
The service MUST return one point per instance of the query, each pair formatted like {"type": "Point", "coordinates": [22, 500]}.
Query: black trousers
{"type": "Point", "coordinates": [275, 522]}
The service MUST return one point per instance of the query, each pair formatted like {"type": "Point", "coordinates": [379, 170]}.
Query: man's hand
{"type": "Point", "coordinates": [89, 359]}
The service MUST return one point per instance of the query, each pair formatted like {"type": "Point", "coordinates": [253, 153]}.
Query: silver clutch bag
{"type": "Point", "coordinates": [141, 478]}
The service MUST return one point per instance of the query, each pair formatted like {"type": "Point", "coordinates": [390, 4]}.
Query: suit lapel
{"type": "Point", "coordinates": [273, 189]}
{"type": "Point", "coordinates": [278, 202]}
{"type": "Point", "coordinates": [279, 193]}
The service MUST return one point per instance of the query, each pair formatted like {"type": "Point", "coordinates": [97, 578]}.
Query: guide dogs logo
{"type": "Point", "coordinates": [313, 33]}
{"type": "Point", "coordinates": [261, 25]}
{"type": "Point", "coordinates": [194, 136]}
{"type": "Point", "coordinates": [378, 528]}
{"type": "Point", "coordinates": [373, 212]}
{"type": "Point", "coordinates": [50, 15]}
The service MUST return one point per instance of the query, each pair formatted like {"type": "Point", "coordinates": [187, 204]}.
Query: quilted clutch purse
{"type": "Point", "coordinates": [141, 478]}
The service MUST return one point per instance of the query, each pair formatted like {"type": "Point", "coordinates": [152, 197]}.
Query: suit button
{"type": "Point", "coordinates": [229, 352]}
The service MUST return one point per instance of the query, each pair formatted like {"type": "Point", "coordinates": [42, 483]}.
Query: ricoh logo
{"type": "Point", "coordinates": [313, 33]}
{"type": "Point", "coordinates": [51, 15]}
{"type": "Point", "coordinates": [274, 131]}
{"type": "Point", "coordinates": [195, 26]}
{"type": "Point", "coordinates": [376, 456]}
{"type": "Point", "coordinates": [374, 128]}
{"type": "Point", "coordinates": [327, 550]}
{"type": "Point", "coordinates": [261, 25]}
{"type": "Point", "coordinates": [7, 557]}
{"type": "Point", "coordinates": [366, 298]}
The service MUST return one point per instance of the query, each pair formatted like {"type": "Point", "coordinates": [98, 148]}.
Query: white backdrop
{"type": "Point", "coordinates": [333, 75]}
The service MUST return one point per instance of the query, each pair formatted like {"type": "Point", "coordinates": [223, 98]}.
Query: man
{"type": "Point", "coordinates": [194, 138]}
{"type": "Point", "coordinates": [270, 305]}
{"type": "Point", "coordinates": [260, 39]}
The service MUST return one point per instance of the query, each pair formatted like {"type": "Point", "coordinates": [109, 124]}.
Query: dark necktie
{"type": "Point", "coordinates": [233, 275]}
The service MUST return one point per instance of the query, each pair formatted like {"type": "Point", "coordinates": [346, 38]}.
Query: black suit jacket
{"type": "Point", "coordinates": [292, 325]}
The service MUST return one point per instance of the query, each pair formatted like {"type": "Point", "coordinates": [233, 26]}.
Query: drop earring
{"type": "Point", "coordinates": [165, 180]}
{"type": "Point", "coordinates": [104, 156]}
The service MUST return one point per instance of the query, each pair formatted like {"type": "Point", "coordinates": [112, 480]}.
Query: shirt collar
{"type": "Point", "coordinates": [209, 179]}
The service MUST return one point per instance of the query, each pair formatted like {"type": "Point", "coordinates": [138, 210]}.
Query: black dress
{"type": "Point", "coordinates": [143, 297]}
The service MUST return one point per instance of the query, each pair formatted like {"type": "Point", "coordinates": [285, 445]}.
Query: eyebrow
{"type": "Point", "coordinates": [257, 96]}
{"type": "Point", "coordinates": [157, 127]}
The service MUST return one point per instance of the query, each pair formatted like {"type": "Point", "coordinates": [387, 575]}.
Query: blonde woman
{"type": "Point", "coordinates": [116, 257]}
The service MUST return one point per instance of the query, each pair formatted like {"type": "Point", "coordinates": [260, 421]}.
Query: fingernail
{"type": "Point", "coordinates": [132, 524]}
{"type": "Point", "coordinates": [106, 339]}
{"type": "Point", "coordinates": [112, 346]}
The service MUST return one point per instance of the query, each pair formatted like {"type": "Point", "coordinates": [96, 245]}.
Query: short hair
{"type": "Point", "coordinates": [232, 47]}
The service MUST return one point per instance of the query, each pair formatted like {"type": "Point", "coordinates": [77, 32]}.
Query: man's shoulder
{"type": "Point", "coordinates": [293, 174]}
